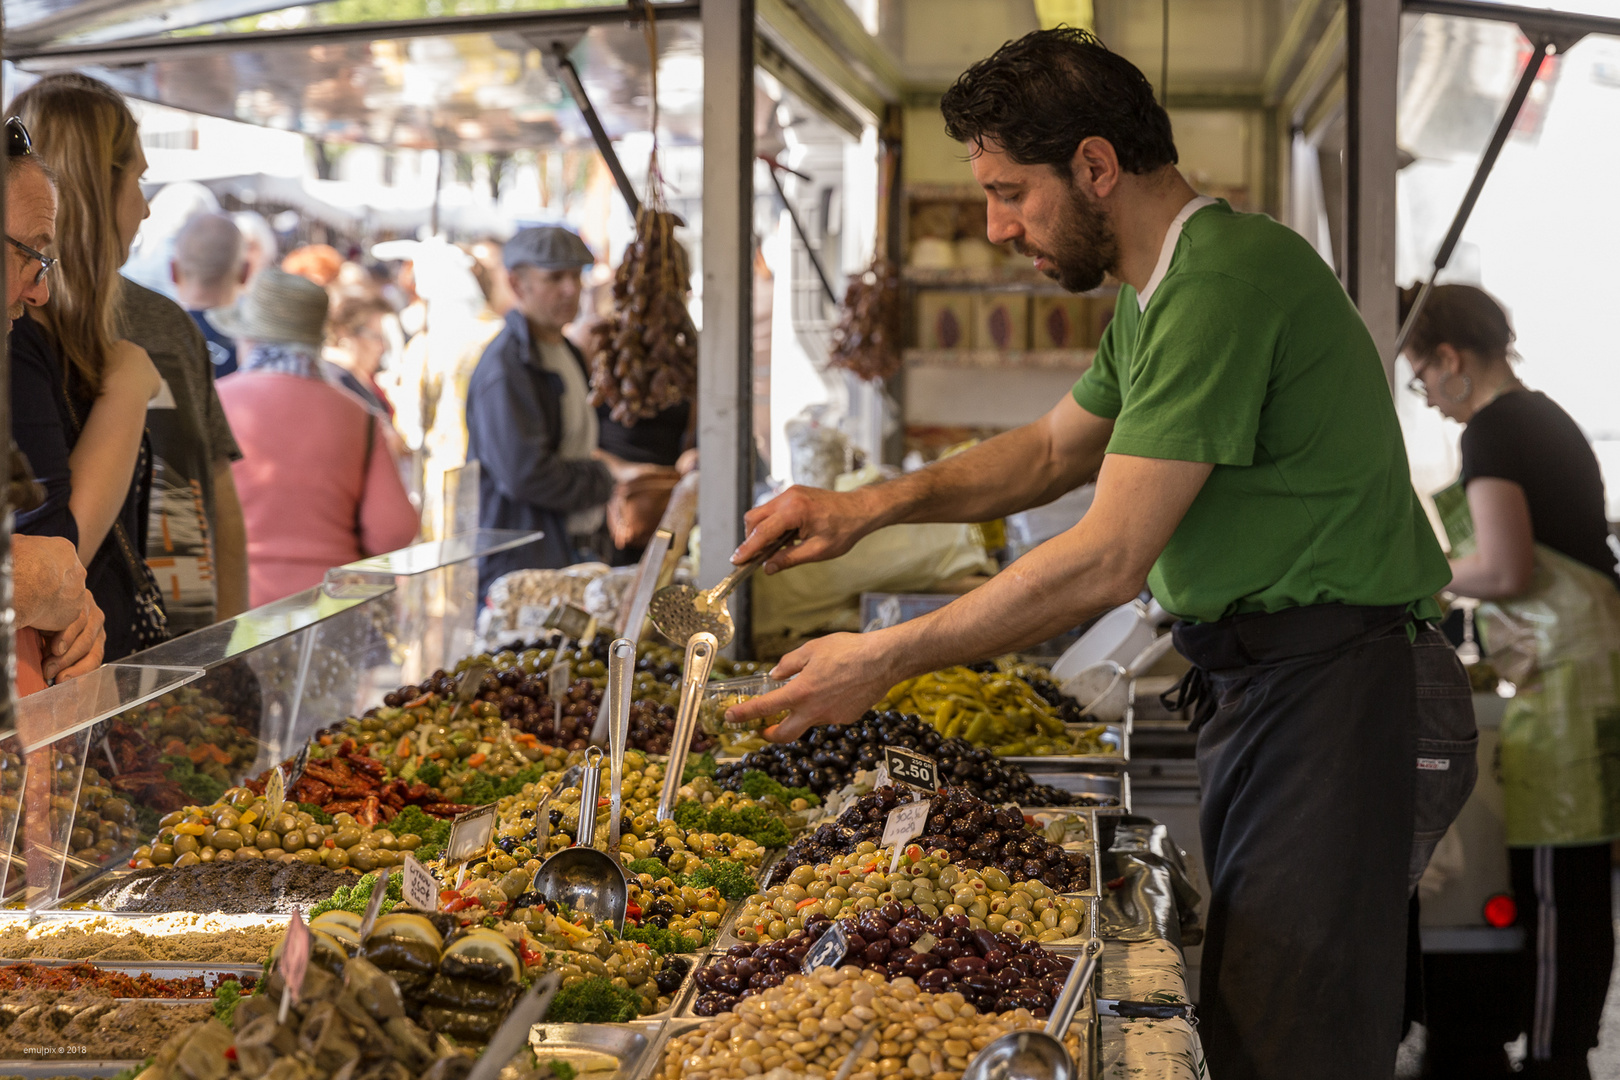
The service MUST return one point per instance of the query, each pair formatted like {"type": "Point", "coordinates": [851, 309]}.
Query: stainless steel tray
{"type": "Point", "coordinates": [61, 1065]}
{"type": "Point", "coordinates": [1116, 735]}
{"type": "Point", "coordinates": [158, 969]}
{"type": "Point", "coordinates": [1116, 786]}
{"type": "Point", "coordinates": [629, 1043]}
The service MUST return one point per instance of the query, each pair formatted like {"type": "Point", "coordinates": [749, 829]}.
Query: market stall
{"type": "Point", "coordinates": [212, 824]}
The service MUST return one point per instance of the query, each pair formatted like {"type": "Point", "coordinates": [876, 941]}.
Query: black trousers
{"type": "Point", "coordinates": [1311, 803]}
{"type": "Point", "coordinates": [1552, 991]}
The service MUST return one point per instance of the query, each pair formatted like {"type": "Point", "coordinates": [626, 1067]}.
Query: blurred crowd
{"type": "Point", "coordinates": [218, 437]}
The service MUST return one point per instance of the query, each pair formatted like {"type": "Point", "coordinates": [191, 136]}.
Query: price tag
{"type": "Point", "coordinates": [294, 962]}
{"type": "Point", "coordinates": [904, 823]}
{"type": "Point", "coordinates": [531, 618]}
{"type": "Point", "coordinates": [830, 948]}
{"type": "Point", "coordinates": [912, 768]}
{"type": "Point", "coordinates": [881, 777]}
{"type": "Point", "coordinates": [296, 773]}
{"type": "Point", "coordinates": [275, 793]}
{"type": "Point", "coordinates": [559, 677]}
{"type": "Point", "coordinates": [420, 888]}
{"type": "Point", "coordinates": [469, 834]}
{"type": "Point", "coordinates": [379, 892]}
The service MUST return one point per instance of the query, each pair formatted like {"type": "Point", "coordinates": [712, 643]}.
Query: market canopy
{"type": "Point", "coordinates": [417, 83]}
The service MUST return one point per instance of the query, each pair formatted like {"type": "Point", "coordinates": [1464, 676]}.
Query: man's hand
{"type": "Point", "coordinates": [829, 524]}
{"type": "Point", "coordinates": [47, 582]}
{"type": "Point", "coordinates": [839, 677]}
{"type": "Point", "coordinates": [78, 649]}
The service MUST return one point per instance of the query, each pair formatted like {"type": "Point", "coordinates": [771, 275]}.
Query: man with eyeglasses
{"type": "Point", "coordinates": [60, 628]}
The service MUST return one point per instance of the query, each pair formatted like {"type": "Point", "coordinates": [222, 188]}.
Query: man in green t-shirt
{"type": "Point", "coordinates": [1250, 472]}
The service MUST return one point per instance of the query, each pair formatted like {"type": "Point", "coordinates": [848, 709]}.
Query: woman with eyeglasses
{"type": "Point", "coordinates": [79, 388]}
{"type": "Point", "coordinates": [1530, 541]}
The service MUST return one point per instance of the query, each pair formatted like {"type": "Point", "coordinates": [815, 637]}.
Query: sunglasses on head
{"type": "Point", "coordinates": [19, 144]}
{"type": "Point", "coordinates": [18, 141]}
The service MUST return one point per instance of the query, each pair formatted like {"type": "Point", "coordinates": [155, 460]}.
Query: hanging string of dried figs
{"type": "Point", "coordinates": [643, 360]}
{"type": "Point", "coordinates": [867, 337]}
{"type": "Point", "coordinates": [866, 340]}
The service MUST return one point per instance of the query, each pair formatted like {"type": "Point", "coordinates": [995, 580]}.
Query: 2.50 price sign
{"type": "Point", "coordinates": [908, 767]}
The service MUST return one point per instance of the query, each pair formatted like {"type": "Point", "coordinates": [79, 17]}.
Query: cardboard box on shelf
{"type": "Point", "coordinates": [1001, 321]}
{"type": "Point", "coordinates": [944, 320]}
{"type": "Point", "coordinates": [1061, 322]}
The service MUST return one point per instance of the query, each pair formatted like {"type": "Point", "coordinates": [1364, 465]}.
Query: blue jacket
{"type": "Point", "coordinates": [514, 426]}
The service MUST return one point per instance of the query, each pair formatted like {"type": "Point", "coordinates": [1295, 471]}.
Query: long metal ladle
{"type": "Point", "coordinates": [585, 879]}
{"type": "Point", "coordinates": [679, 611]}
{"type": "Point", "coordinates": [1040, 1055]}
{"type": "Point", "coordinates": [700, 652]}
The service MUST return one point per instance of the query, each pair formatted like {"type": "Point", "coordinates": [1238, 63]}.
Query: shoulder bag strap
{"type": "Point", "coordinates": [365, 474]}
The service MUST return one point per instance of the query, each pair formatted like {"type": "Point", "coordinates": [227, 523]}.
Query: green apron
{"type": "Point", "coordinates": [1559, 644]}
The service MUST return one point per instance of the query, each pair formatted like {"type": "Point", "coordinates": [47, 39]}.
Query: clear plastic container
{"type": "Point", "coordinates": [722, 695]}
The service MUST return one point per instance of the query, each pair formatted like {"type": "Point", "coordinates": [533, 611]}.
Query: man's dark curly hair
{"type": "Point", "coordinates": [1038, 97]}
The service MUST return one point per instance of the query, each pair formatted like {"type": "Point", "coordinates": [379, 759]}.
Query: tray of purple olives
{"type": "Point", "coordinates": [994, 972]}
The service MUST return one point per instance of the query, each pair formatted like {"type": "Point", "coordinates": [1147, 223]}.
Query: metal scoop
{"type": "Point", "coordinates": [582, 877]}
{"type": "Point", "coordinates": [679, 611]}
{"type": "Point", "coordinates": [1040, 1055]}
{"type": "Point", "coordinates": [700, 650]}
{"type": "Point", "coordinates": [621, 676]}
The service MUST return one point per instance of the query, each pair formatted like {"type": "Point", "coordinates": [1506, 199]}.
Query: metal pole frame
{"type": "Point", "coordinates": [604, 145]}
{"type": "Point", "coordinates": [725, 398]}
{"type": "Point", "coordinates": [1372, 37]}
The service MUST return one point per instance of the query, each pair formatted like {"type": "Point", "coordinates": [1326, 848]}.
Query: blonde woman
{"type": "Point", "coordinates": [79, 389]}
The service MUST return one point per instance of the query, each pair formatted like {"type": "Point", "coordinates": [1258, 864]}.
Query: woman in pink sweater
{"type": "Point", "coordinates": [318, 485]}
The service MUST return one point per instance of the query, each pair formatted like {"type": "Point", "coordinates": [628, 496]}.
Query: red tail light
{"type": "Point", "coordinates": [1500, 911]}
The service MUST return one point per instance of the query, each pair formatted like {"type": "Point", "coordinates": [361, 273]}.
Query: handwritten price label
{"type": "Point", "coordinates": [904, 823]}
{"type": "Point", "coordinates": [420, 888]}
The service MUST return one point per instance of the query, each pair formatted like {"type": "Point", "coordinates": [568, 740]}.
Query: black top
{"type": "Point", "coordinates": [1525, 437]}
{"type": "Point", "coordinates": [657, 440]}
{"type": "Point", "coordinates": [44, 429]}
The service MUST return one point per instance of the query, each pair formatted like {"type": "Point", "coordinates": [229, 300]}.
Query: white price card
{"type": "Point", "coordinates": [293, 963]}
{"type": "Point", "coordinates": [275, 793]}
{"type": "Point", "coordinates": [420, 888]}
{"type": "Point", "coordinates": [559, 677]}
{"type": "Point", "coordinates": [904, 823]}
{"type": "Point", "coordinates": [881, 777]}
{"type": "Point", "coordinates": [379, 892]}
{"type": "Point", "coordinates": [470, 834]}
{"type": "Point", "coordinates": [830, 948]}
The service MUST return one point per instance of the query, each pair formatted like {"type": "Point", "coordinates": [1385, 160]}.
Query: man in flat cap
{"type": "Point", "coordinates": [530, 423]}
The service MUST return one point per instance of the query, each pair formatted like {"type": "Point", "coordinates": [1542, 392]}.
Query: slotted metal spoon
{"type": "Point", "coordinates": [679, 611]}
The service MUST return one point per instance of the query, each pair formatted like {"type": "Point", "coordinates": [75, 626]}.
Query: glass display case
{"type": "Point", "coordinates": [93, 766]}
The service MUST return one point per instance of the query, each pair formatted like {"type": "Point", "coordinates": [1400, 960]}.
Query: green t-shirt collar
{"type": "Point", "coordinates": [1168, 251]}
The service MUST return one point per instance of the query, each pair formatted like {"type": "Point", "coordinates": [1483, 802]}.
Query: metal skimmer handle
{"type": "Point", "coordinates": [589, 785]}
{"type": "Point", "coordinates": [620, 684]}
{"type": "Point", "coordinates": [700, 650]}
{"type": "Point", "coordinates": [731, 580]}
{"type": "Point", "coordinates": [1074, 990]}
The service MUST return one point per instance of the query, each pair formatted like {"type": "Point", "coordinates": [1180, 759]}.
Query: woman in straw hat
{"type": "Point", "coordinates": [318, 483]}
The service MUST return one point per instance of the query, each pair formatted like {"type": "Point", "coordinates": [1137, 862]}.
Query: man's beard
{"type": "Point", "coordinates": [1084, 248]}
{"type": "Point", "coordinates": [15, 312]}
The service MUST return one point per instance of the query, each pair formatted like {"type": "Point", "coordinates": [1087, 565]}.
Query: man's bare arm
{"type": "Point", "coordinates": [1026, 467]}
{"type": "Point", "coordinates": [1100, 563]}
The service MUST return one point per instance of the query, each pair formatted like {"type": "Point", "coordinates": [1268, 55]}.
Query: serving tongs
{"type": "Point", "coordinates": [680, 611]}
{"type": "Point", "coordinates": [700, 653]}
{"type": "Point", "coordinates": [585, 879]}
